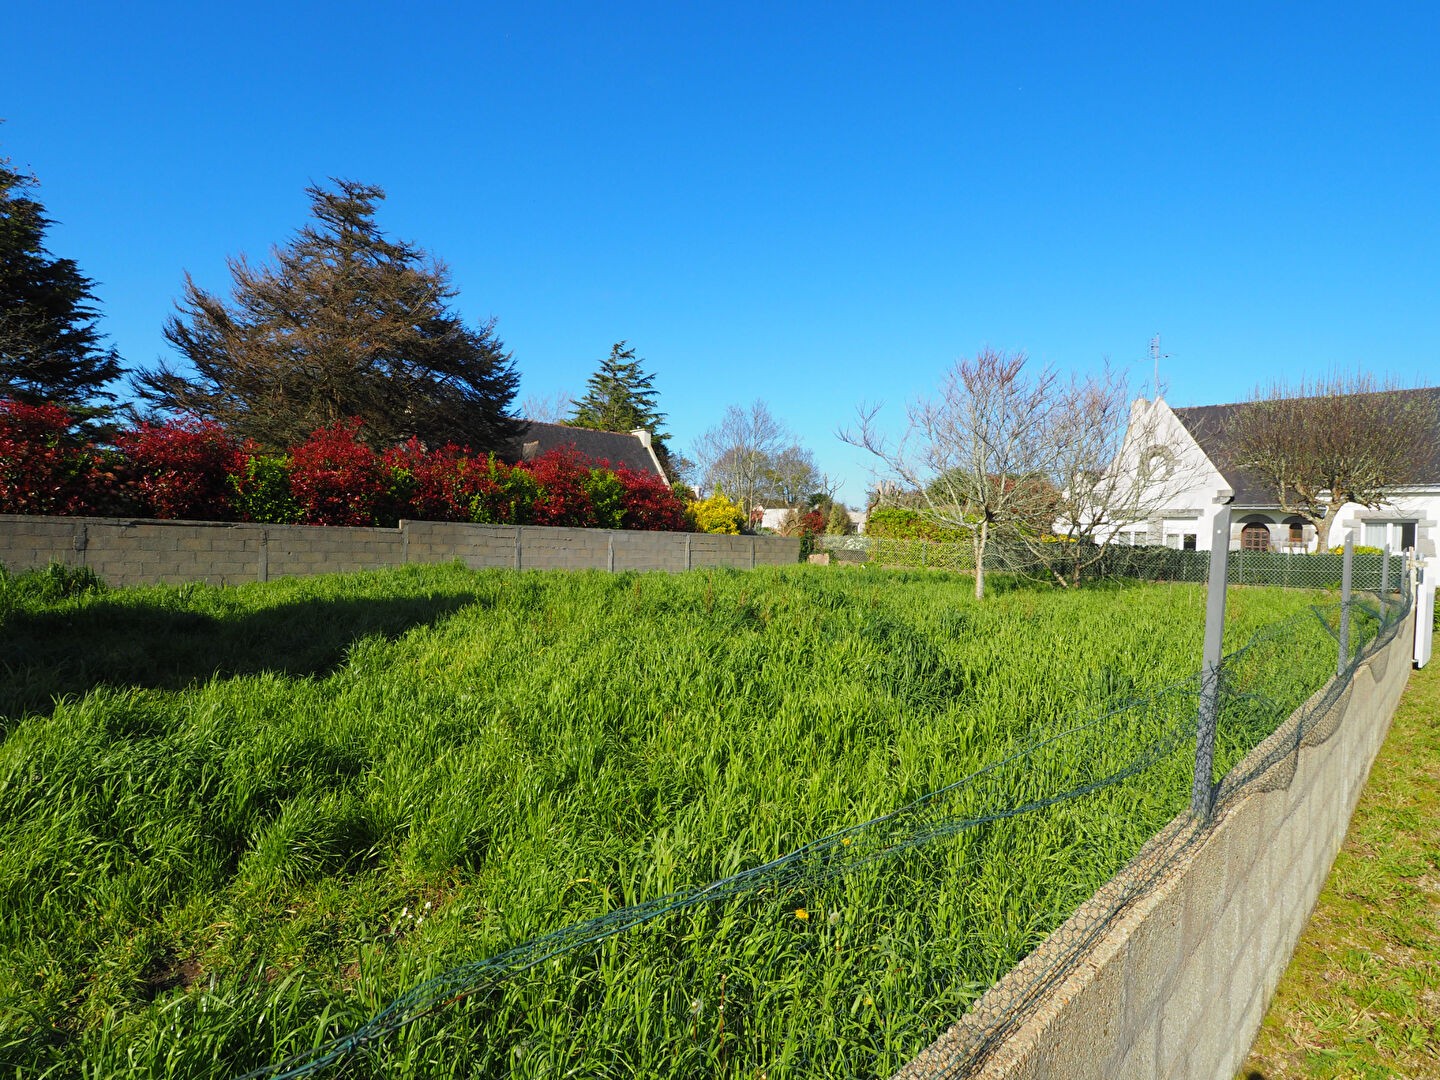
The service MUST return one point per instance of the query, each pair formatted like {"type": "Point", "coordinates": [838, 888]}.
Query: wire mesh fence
{"type": "Point", "coordinates": [676, 985]}
{"type": "Point", "coordinates": [1298, 570]}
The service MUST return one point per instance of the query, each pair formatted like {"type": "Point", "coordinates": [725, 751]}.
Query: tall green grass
{"type": "Point", "coordinates": [236, 822]}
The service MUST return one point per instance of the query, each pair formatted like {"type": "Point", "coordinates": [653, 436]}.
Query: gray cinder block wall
{"type": "Point", "coordinates": [1177, 985]}
{"type": "Point", "coordinates": [136, 552]}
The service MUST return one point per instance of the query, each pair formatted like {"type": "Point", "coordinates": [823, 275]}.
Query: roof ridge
{"type": "Point", "coordinates": [1253, 401]}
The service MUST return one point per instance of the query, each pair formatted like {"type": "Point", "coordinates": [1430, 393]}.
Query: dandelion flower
{"type": "Point", "coordinates": [801, 914]}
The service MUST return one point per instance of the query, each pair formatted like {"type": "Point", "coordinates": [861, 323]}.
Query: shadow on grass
{"type": "Point", "coordinates": [157, 645]}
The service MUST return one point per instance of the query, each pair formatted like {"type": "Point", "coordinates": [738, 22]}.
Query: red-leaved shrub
{"type": "Point", "coordinates": [44, 468]}
{"type": "Point", "coordinates": [338, 480]}
{"type": "Point", "coordinates": [192, 469]}
{"type": "Point", "coordinates": [648, 503]}
{"type": "Point", "coordinates": [436, 485]}
{"type": "Point", "coordinates": [563, 500]}
{"type": "Point", "coordinates": [182, 469]}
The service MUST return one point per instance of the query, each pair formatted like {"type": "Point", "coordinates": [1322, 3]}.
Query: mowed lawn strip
{"type": "Point", "coordinates": [1361, 997]}
{"type": "Point", "coordinates": [236, 822]}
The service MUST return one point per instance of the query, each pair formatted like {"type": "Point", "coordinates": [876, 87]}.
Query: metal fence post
{"type": "Point", "coordinates": [1384, 575]}
{"type": "Point", "coordinates": [1202, 793]}
{"type": "Point", "coordinates": [1346, 570]}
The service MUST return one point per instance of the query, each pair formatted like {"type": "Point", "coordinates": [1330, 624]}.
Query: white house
{"type": "Point", "coordinates": [1188, 450]}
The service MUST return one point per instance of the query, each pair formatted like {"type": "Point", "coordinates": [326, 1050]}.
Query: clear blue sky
{"type": "Point", "coordinates": [816, 205]}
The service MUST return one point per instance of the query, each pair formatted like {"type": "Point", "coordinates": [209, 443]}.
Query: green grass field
{"type": "Point", "coordinates": [236, 822]}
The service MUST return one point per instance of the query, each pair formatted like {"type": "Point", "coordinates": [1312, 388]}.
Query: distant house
{"type": "Point", "coordinates": [775, 518]}
{"type": "Point", "coordinates": [634, 450]}
{"type": "Point", "coordinates": [1192, 443]}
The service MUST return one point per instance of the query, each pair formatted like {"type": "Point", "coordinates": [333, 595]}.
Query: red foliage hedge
{"type": "Point", "coordinates": [44, 469]}
{"type": "Point", "coordinates": [182, 469]}
{"type": "Point", "coordinates": [192, 469]}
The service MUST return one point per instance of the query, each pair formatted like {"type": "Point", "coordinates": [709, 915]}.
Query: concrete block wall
{"type": "Point", "coordinates": [142, 552]}
{"type": "Point", "coordinates": [1176, 986]}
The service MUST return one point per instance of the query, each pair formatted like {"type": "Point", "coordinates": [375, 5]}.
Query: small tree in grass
{"type": "Point", "coordinates": [1025, 457]}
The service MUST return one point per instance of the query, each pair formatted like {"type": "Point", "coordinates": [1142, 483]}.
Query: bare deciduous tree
{"type": "Point", "coordinates": [1050, 467]}
{"type": "Point", "coordinates": [548, 408]}
{"type": "Point", "coordinates": [794, 479]}
{"type": "Point", "coordinates": [1113, 463]}
{"type": "Point", "coordinates": [974, 454]}
{"type": "Point", "coordinates": [754, 459]}
{"type": "Point", "coordinates": [1341, 439]}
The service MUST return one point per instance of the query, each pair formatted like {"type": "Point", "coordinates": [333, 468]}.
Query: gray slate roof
{"type": "Point", "coordinates": [620, 449]}
{"type": "Point", "coordinates": [1207, 424]}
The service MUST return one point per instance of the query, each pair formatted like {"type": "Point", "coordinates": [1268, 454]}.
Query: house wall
{"type": "Point", "coordinates": [127, 552]}
{"type": "Point", "coordinates": [1421, 506]}
{"type": "Point", "coordinates": [1183, 502]}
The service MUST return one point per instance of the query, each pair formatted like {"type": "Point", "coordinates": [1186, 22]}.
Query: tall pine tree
{"type": "Point", "coordinates": [50, 347]}
{"type": "Point", "coordinates": [345, 323]}
{"type": "Point", "coordinates": [622, 397]}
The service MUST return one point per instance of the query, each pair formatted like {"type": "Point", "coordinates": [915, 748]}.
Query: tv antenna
{"type": "Point", "coordinates": [1155, 357]}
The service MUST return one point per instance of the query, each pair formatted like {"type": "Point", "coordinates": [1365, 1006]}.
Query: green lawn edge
{"type": "Point", "coordinates": [1361, 997]}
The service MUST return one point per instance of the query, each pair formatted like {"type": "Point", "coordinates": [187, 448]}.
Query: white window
{"type": "Point", "coordinates": [1400, 535]}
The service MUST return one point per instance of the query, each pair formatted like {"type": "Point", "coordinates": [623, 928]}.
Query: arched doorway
{"type": "Point", "coordinates": [1295, 538]}
{"type": "Point", "coordinates": [1255, 537]}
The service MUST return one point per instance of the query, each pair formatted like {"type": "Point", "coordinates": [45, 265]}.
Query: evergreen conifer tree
{"type": "Point", "coordinates": [345, 323]}
{"type": "Point", "coordinates": [50, 347]}
{"type": "Point", "coordinates": [620, 396]}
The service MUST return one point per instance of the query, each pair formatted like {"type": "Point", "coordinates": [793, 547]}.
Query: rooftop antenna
{"type": "Point", "coordinates": [1155, 357]}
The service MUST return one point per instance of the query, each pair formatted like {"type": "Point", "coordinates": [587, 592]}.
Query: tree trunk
{"type": "Point", "coordinates": [1322, 530]}
{"type": "Point", "coordinates": [980, 536]}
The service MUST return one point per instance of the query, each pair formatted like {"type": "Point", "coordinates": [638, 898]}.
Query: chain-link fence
{"type": "Point", "coordinates": [702, 931]}
{"type": "Point", "coordinates": [1141, 562]}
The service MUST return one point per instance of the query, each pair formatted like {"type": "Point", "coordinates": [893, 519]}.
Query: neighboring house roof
{"type": "Point", "coordinates": [623, 450]}
{"type": "Point", "coordinates": [1208, 426]}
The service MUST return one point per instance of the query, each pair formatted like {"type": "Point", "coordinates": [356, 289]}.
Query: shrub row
{"type": "Point", "coordinates": [193, 469]}
{"type": "Point", "coordinates": [900, 523]}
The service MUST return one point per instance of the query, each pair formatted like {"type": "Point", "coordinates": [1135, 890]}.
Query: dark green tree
{"type": "Point", "coordinates": [620, 396]}
{"type": "Point", "coordinates": [344, 323]}
{"type": "Point", "coordinates": [50, 347]}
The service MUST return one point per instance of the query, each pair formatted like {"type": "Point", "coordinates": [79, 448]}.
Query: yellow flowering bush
{"type": "Point", "coordinates": [717, 514]}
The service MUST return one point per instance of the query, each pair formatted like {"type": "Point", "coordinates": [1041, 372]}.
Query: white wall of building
{"type": "Point", "coordinates": [1385, 524]}
{"type": "Point", "coordinates": [1184, 506]}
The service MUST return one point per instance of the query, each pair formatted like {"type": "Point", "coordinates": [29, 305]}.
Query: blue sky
{"type": "Point", "coordinates": [816, 205]}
